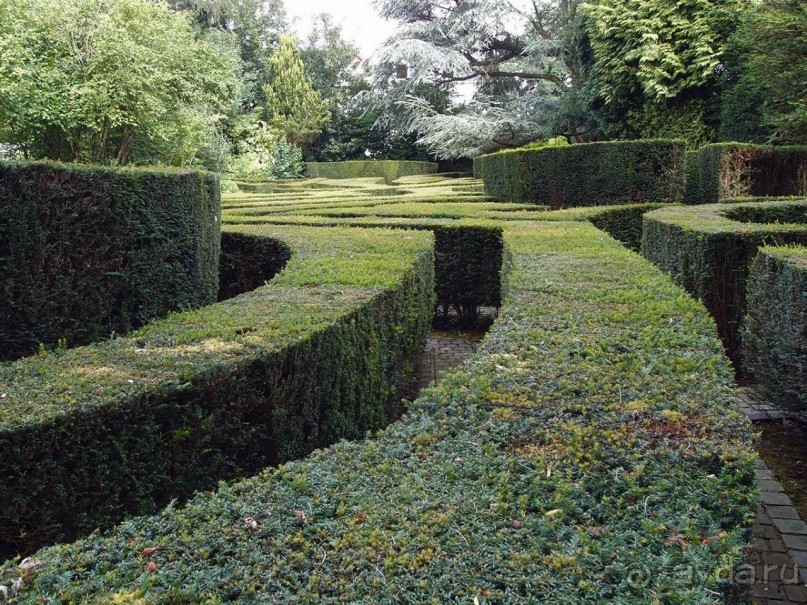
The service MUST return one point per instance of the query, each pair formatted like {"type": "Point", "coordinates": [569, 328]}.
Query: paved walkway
{"type": "Point", "coordinates": [444, 351]}
{"type": "Point", "coordinates": [780, 534]}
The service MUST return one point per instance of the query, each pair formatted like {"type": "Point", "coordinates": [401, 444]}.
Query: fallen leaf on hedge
{"type": "Point", "coordinates": [151, 567]}
{"type": "Point", "coordinates": [301, 517]}
{"type": "Point", "coordinates": [552, 513]}
{"type": "Point", "coordinates": [147, 552]}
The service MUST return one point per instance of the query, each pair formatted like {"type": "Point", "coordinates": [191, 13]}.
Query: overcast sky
{"type": "Point", "coordinates": [359, 21]}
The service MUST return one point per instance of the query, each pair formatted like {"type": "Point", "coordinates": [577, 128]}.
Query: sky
{"type": "Point", "coordinates": [358, 19]}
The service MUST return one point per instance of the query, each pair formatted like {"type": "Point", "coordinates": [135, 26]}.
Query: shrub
{"type": "Point", "coordinates": [708, 250]}
{"type": "Point", "coordinates": [774, 337]}
{"type": "Point", "coordinates": [597, 418]}
{"type": "Point", "coordinates": [586, 175]}
{"type": "Point", "coordinates": [87, 252]}
{"type": "Point", "coordinates": [730, 170]}
{"type": "Point", "coordinates": [124, 426]}
{"type": "Point", "coordinates": [389, 170]}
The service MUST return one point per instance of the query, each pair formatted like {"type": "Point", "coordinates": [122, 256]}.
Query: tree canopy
{"type": "Point", "coordinates": [510, 58]}
{"type": "Point", "coordinates": [108, 81]}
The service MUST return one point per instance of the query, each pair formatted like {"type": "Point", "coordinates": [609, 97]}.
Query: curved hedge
{"type": "Point", "coordinates": [723, 171]}
{"type": "Point", "coordinates": [87, 252]}
{"type": "Point", "coordinates": [591, 451]}
{"type": "Point", "coordinates": [774, 337]}
{"type": "Point", "coordinates": [708, 249]}
{"type": "Point", "coordinates": [124, 426]}
{"type": "Point", "coordinates": [389, 170]}
{"type": "Point", "coordinates": [592, 174]}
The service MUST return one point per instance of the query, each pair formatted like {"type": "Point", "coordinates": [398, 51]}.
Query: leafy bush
{"type": "Point", "coordinates": [708, 249]}
{"type": "Point", "coordinates": [85, 252]}
{"type": "Point", "coordinates": [593, 439]}
{"type": "Point", "coordinates": [592, 174]}
{"type": "Point", "coordinates": [122, 427]}
{"type": "Point", "coordinates": [774, 337]}
{"type": "Point", "coordinates": [287, 162]}
{"type": "Point", "coordinates": [730, 170]}
{"type": "Point", "coordinates": [390, 170]}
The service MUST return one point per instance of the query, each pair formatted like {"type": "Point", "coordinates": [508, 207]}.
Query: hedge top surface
{"type": "Point", "coordinates": [331, 272]}
{"type": "Point", "coordinates": [795, 255]}
{"type": "Point", "coordinates": [746, 216]}
{"type": "Point", "coordinates": [594, 431]}
{"type": "Point", "coordinates": [594, 145]}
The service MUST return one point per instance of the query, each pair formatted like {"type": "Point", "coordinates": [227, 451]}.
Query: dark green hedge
{"type": "Point", "coordinates": [390, 170]}
{"type": "Point", "coordinates": [729, 170]}
{"type": "Point", "coordinates": [248, 262]}
{"type": "Point", "coordinates": [85, 252]}
{"type": "Point", "coordinates": [774, 343]}
{"type": "Point", "coordinates": [591, 452]}
{"type": "Point", "coordinates": [593, 174]}
{"type": "Point", "coordinates": [468, 261]}
{"type": "Point", "coordinates": [708, 250]}
{"type": "Point", "coordinates": [124, 426]}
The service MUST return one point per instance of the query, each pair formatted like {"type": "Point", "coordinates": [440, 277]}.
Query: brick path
{"type": "Point", "coordinates": [780, 534]}
{"type": "Point", "coordinates": [444, 351]}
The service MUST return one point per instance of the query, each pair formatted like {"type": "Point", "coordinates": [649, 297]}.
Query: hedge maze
{"type": "Point", "coordinates": [254, 449]}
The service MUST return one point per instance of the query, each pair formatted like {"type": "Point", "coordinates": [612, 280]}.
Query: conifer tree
{"type": "Point", "coordinates": [294, 108]}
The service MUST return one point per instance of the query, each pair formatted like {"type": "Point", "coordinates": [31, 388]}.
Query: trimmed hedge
{"type": "Point", "coordinates": [591, 174]}
{"type": "Point", "coordinates": [708, 249]}
{"type": "Point", "coordinates": [389, 170]}
{"type": "Point", "coordinates": [467, 265]}
{"type": "Point", "coordinates": [723, 171]}
{"type": "Point", "coordinates": [774, 343]}
{"type": "Point", "coordinates": [592, 451]}
{"type": "Point", "coordinates": [87, 252]}
{"type": "Point", "coordinates": [124, 426]}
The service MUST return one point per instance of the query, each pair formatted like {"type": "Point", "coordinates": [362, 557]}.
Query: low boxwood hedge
{"type": "Point", "coordinates": [87, 252]}
{"type": "Point", "coordinates": [708, 249]}
{"type": "Point", "coordinates": [389, 170]}
{"type": "Point", "coordinates": [774, 337]}
{"type": "Point", "coordinates": [592, 174]}
{"type": "Point", "coordinates": [591, 451]}
{"type": "Point", "coordinates": [124, 426]}
{"type": "Point", "coordinates": [723, 171]}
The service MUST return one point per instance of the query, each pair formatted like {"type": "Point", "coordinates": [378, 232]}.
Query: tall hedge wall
{"type": "Point", "coordinates": [390, 170]}
{"type": "Point", "coordinates": [774, 343]}
{"type": "Point", "coordinates": [708, 250]}
{"type": "Point", "coordinates": [592, 174]}
{"type": "Point", "coordinates": [124, 426]}
{"type": "Point", "coordinates": [730, 170]}
{"type": "Point", "coordinates": [591, 452]}
{"type": "Point", "coordinates": [85, 252]}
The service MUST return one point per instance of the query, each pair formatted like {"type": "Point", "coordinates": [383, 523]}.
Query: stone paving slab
{"type": "Point", "coordinates": [780, 534]}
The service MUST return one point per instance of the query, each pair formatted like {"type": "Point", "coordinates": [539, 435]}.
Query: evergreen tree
{"type": "Point", "coordinates": [294, 108]}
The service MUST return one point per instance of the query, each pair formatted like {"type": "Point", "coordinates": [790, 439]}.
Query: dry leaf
{"type": "Point", "coordinates": [251, 524]}
{"type": "Point", "coordinates": [147, 552]}
{"type": "Point", "coordinates": [151, 567]}
{"type": "Point", "coordinates": [301, 517]}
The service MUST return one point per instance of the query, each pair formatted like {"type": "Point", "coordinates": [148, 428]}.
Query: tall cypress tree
{"type": "Point", "coordinates": [294, 108]}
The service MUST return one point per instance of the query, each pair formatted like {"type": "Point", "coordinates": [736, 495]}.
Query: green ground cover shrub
{"type": "Point", "coordinates": [85, 252]}
{"type": "Point", "coordinates": [593, 437]}
{"type": "Point", "coordinates": [587, 175]}
{"type": "Point", "coordinates": [122, 427]}
{"type": "Point", "coordinates": [389, 170]}
{"type": "Point", "coordinates": [723, 171]}
{"type": "Point", "coordinates": [708, 250]}
{"type": "Point", "coordinates": [774, 335]}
